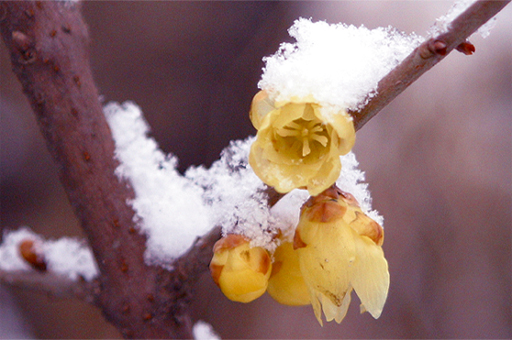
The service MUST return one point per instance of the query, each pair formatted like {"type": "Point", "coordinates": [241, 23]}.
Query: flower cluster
{"type": "Point", "coordinates": [336, 249]}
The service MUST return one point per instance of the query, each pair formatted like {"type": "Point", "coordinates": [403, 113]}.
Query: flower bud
{"type": "Point", "coordinates": [286, 284]}
{"type": "Point", "coordinates": [338, 247]}
{"type": "Point", "coordinates": [31, 252]}
{"type": "Point", "coordinates": [241, 271]}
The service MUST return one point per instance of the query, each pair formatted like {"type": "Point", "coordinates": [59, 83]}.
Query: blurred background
{"type": "Point", "coordinates": [438, 160]}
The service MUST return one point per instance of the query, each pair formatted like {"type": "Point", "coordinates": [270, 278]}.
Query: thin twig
{"type": "Point", "coordinates": [425, 56]}
{"type": "Point", "coordinates": [54, 285]}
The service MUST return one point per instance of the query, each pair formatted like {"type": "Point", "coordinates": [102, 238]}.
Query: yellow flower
{"type": "Point", "coordinates": [298, 143]}
{"type": "Point", "coordinates": [286, 284]}
{"type": "Point", "coordinates": [339, 249]}
{"type": "Point", "coordinates": [239, 270]}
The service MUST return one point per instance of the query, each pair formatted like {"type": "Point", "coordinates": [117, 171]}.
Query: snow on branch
{"type": "Point", "coordinates": [24, 250]}
{"type": "Point", "coordinates": [428, 54]}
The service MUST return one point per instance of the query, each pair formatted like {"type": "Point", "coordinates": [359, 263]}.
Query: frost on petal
{"type": "Point", "coordinates": [352, 180]}
{"type": "Point", "coordinates": [370, 276]}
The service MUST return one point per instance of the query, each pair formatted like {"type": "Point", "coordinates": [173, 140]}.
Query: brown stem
{"type": "Point", "coordinates": [48, 46]}
{"type": "Point", "coordinates": [54, 285]}
{"type": "Point", "coordinates": [425, 56]}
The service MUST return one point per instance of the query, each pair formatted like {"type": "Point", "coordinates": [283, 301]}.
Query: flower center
{"type": "Point", "coordinates": [303, 134]}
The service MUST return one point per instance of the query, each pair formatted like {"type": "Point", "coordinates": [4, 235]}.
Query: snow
{"type": "Point", "coordinates": [236, 194]}
{"type": "Point", "coordinates": [66, 256]}
{"type": "Point", "coordinates": [170, 208]}
{"type": "Point", "coordinates": [442, 24]}
{"type": "Point", "coordinates": [337, 65]}
{"type": "Point", "coordinates": [240, 204]}
{"type": "Point", "coordinates": [204, 331]}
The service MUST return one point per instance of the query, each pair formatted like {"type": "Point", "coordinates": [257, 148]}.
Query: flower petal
{"type": "Point", "coordinates": [370, 276]}
{"type": "Point", "coordinates": [260, 107]}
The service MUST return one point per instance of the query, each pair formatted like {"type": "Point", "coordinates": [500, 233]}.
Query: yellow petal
{"type": "Point", "coordinates": [370, 276]}
{"type": "Point", "coordinates": [325, 260]}
{"type": "Point", "coordinates": [239, 270]}
{"type": "Point", "coordinates": [260, 107]}
{"type": "Point", "coordinates": [286, 284]}
{"type": "Point", "coordinates": [335, 258]}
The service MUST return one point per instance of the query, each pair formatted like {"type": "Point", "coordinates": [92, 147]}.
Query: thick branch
{"type": "Point", "coordinates": [48, 46]}
{"type": "Point", "coordinates": [428, 54]}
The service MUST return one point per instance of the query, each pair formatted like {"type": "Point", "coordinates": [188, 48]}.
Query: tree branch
{"type": "Point", "coordinates": [425, 56]}
{"type": "Point", "coordinates": [55, 285]}
{"type": "Point", "coordinates": [48, 44]}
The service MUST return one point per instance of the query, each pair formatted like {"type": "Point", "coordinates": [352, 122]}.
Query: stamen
{"type": "Point", "coordinates": [284, 132]}
{"type": "Point", "coordinates": [305, 147]}
{"type": "Point", "coordinates": [320, 139]}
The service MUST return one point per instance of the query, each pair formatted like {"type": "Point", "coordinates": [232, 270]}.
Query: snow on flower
{"type": "Point", "coordinates": [337, 65]}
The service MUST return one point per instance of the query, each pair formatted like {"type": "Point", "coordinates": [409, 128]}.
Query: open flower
{"type": "Point", "coordinates": [298, 143]}
{"type": "Point", "coordinates": [241, 271]}
{"type": "Point", "coordinates": [339, 249]}
{"type": "Point", "coordinates": [286, 284]}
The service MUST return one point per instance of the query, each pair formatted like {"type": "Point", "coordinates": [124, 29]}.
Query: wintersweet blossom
{"type": "Point", "coordinates": [299, 142]}
{"type": "Point", "coordinates": [241, 271]}
{"type": "Point", "coordinates": [286, 284]}
{"type": "Point", "coordinates": [339, 249]}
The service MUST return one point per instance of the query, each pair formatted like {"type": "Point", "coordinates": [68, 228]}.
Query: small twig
{"type": "Point", "coordinates": [425, 56]}
{"type": "Point", "coordinates": [54, 285]}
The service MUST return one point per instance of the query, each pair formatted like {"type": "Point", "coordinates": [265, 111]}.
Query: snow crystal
{"type": "Point", "coordinates": [66, 256]}
{"type": "Point", "coordinates": [204, 331]}
{"type": "Point", "coordinates": [237, 196]}
{"type": "Point", "coordinates": [443, 23]}
{"type": "Point", "coordinates": [352, 180]}
{"type": "Point", "coordinates": [170, 209]}
{"type": "Point", "coordinates": [240, 204]}
{"type": "Point", "coordinates": [71, 258]}
{"type": "Point", "coordinates": [338, 65]}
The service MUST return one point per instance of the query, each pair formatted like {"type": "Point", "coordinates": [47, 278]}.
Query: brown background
{"type": "Point", "coordinates": [438, 160]}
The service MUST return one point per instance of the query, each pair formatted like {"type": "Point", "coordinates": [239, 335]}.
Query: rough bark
{"type": "Point", "coordinates": [48, 42]}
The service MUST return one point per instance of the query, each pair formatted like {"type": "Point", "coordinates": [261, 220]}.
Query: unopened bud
{"type": "Point", "coordinates": [286, 284]}
{"type": "Point", "coordinates": [241, 271]}
{"type": "Point", "coordinates": [34, 256]}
